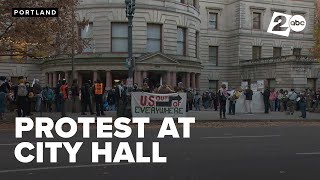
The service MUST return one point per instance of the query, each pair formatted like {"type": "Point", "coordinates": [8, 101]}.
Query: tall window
{"type": "Point", "coordinates": [297, 51]}
{"type": "Point", "coordinates": [256, 20]}
{"type": "Point", "coordinates": [277, 51]}
{"type": "Point", "coordinates": [119, 37]}
{"type": "Point", "coordinates": [197, 45]}
{"type": "Point", "coordinates": [312, 83]}
{"type": "Point", "coordinates": [213, 21]}
{"type": "Point", "coordinates": [87, 36]}
{"type": "Point", "coordinates": [256, 52]}
{"type": "Point", "coordinates": [181, 41]}
{"type": "Point", "coordinates": [154, 38]}
{"type": "Point", "coordinates": [213, 85]}
{"type": "Point", "coordinates": [213, 55]}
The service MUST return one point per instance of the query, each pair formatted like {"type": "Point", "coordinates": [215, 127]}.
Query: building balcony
{"type": "Point", "coordinates": [283, 59]}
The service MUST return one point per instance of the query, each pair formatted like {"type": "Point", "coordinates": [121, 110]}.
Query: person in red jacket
{"type": "Point", "coordinates": [64, 97]}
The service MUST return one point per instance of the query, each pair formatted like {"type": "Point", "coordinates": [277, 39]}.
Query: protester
{"type": "Point", "coordinates": [86, 98]}
{"type": "Point", "coordinates": [111, 100]}
{"type": "Point", "coordinates": [74, 95]}
{"type": "Point", "coordinates": [248, 93]}
{"type": "Point", "coordinates": [4, 90]}
{"type": "Point", "coordinates": [64, 97]}
{"type": "Point", "coordinates": [29, 99]}
{"type": "Point", "coordinates": [280, 97]}
{"type": "Point", "coordinates": [165, 89]}
{"type": "Point", "coordinates": [189, 99]}
{"type": "Point", "coordinates": [303, 106]}
{"type": "Point", "coordinates": [316, 101]}
{"type": "Point", "coordinates": [223, 96]}
{"type": "Point", "coordinates": [98, 94]}
{"type": "Point", "coordinates": [22, 93]}
{"type": "Point", "coordinates": [292, 96]}
{"type": "Point", "coordinates": [266, 99]}
{"type": "Point", "coordinates": [37, 90]}
{"type": "Point", "coordinates": [234, 95]}
{"type": "Point", "coordinates": [272, 99]}
{"type": "Point", "coordinates": [47, 95]}
{"type": "Point", "coordinates": [197, 99]}
{"type": "Point", "coordinates": [57, 97]}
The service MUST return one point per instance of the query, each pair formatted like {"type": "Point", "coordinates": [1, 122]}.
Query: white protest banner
{"type": "Point", "coordinates": [254, 87]}
{"type": "Point", "coordinates": [244, 85]}
{"type": "Point", "coordinates": [158, 106]}
{"type": "Point", "coordinates": [227, 84]}
{"type": "Point", "coordinates": [260, 84]}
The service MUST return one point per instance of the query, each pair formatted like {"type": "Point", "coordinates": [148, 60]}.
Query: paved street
{"type": "Point", "coordinates": [264, 153]}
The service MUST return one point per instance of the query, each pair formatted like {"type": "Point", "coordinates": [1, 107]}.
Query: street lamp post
{"type": "Point", "coordinates": [130, 8]}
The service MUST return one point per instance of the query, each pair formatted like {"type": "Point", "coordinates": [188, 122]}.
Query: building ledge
{"type": "Point", "coordinates": [282, 59]}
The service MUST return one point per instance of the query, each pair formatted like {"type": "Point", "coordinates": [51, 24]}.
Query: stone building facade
{"type": "Point", "coordinates": [201, 43]}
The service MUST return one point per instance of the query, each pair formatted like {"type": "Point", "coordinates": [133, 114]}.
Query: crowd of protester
{"type": "Point", "coordinates": [27, 97]}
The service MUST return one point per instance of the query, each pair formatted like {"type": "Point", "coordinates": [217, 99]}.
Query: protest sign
{"type": "Point", "coordinates": [158, 106]}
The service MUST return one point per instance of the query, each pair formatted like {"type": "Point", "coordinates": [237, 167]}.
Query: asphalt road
{"type": "Point", "coordinates": [262, 153]}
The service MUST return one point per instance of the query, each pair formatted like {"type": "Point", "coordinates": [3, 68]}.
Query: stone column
{"type": "Point", "coordinates": [95, 76]}
{"type": "Point", "coordinates": [173, 79]}
{"type": "Point", "coordinates": [168, 78]}
{"type": "Point", "coordinates": [137, 77]}
{"type": "Point", "coordinates": [66, 76]}
{"type": "Point", "coordinates": [144, 74]}
{"type": "Point", "coordinates": [54, 79]}
{"type": "Point", "coordinates": [108, 80]}
{"type": "Point", "coordinates": [187, 80]}
{"type": "Point", "coordinates": [193, 80]}
{"type": "Point", "coordinates": [50, 80]}
{"type": "Point", "coordinates": [198, 81]}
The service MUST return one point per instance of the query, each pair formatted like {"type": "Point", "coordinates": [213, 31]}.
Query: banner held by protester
{"type": "Point", "coordinates": [158, 105]}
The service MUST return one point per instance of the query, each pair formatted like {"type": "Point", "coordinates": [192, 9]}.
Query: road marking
{"type": "Point", "coordinates": [60, 167]}
{"type": "Point", "coordinates": [312, 153]}
{"type": "Point", "coordinates": [235, 137]}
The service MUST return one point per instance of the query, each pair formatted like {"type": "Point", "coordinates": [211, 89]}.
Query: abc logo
{"type": "Point", "coordinates": [281, 24]}
{"type": "Point", "coordinates": [297, 23]}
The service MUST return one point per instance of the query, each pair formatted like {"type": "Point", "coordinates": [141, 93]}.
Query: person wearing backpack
{"type": "Point", "coordinates": [98, 95]}
{"type": "Point", "coordinates": [48, 98]}
{"type": "Point", "coordinates": [22, 93]}
{"type": "Point", "coordinates": [223, 96]}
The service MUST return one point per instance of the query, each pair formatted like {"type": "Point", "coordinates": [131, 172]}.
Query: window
{"type": "Point", "coordinates": [256, 52]}
{"type": "Point", "coordinates": [197, 45]}
{"type": "Point", "coordinates": [87, 36]}
{"type": "Point", "coordinates": [154, 38]}
{"type": "Point", "coordinates": [213, 21]}
{"type": "Point", "coordinates": [312, 83]}
{"type": "Point", "coordinates": [297, 51]}
{"type": "Point", "coordinates": [182, 1]}
{"type": "Point", "coordinates": [213, 85]}
{"type": "Point", "coordinates": [272, 83]}
{"type": "Point", "coordinates": [119, 37]}
{"type": "Point", "coordinates": [181, 41]}
{"type": "Point", "coordinates": [213, 55]}
{"type": "Point", "coordinates": [256, 20]}
{"type": "Point", "coordinates": [277, 51]}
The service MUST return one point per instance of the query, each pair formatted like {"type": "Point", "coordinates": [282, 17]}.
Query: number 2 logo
{"type": "Point", "coordinates": [281, 24]}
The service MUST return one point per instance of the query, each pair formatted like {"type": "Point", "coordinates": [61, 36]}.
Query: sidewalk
{"type": "Point", "coordinates": [199, 115]}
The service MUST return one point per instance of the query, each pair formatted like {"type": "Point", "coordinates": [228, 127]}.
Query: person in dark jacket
{"type": "Point", "coordinates": [86, 98]}
{"type": "Point", "coordinates": [266, 95]}
{"type": "Point", "coordinates": [248, 93]}
{"type": "Point", "coordinates": [74, 95]}
{"type": "Point", "coordinates": [58, 96]}
{"type": "Point", "coordinates": [4, 90]}
{"type": "Point", "coordinates": [111, 99]}
{"type": "Point", "coordinates": [303, 106]}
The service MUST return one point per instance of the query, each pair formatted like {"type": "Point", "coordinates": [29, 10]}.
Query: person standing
{"type": "Point", "coordinates": [22, 93]}
{"type": "Point", "coordinates": [37, 91]}
{"type": "Point", "coordinates": [303, 106]}
{"type": "Point", "coordinates": [111, 99]}
{"type": "Point", "coordinates": [47, 95]}
{"type": "Point", "coordinates": [266, 99]}
{"type": "Point", "coordinates": [57, 96]}
{"type": "Point", "coordinates": [272, 100]}
{"type": "Point", "coordinates": [74, 95]}
{"type": "Point", "coordinates": [232, 102]}
{"type": "Point", "coordinates": [248, 93]}
{"type": "Point", "coordinates": [86, 99]}
{"type": "Point", "coordinates": [223, 96]}
{"type": "Point", "coordinates": [197, 99]}
{"type": "Point", "coordinates": [4, 90]}
{"type": "Point", "coordinates": [64, 97]}
{"type": "Point", "coordinates": [292, 96]}
{"type": "Point", "coordinates": [190, 99]}
{"type": "Point", "coordinates": [98, 94]}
